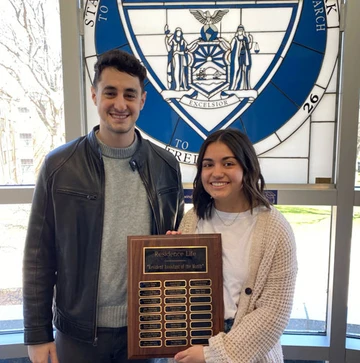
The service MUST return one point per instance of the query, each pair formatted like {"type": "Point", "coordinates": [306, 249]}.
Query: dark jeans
{"type": "Point", "coordinates": [111, 348]}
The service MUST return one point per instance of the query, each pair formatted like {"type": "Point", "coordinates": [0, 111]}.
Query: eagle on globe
{"type": "Point", "coordinates": [209, 31]}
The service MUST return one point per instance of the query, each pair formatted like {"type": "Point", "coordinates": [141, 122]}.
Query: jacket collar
{"type": "Point", "coordinates": [140, 155]}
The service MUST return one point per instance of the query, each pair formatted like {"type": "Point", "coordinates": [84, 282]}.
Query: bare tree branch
{"type": "Point", "coordinates": [32, 58]}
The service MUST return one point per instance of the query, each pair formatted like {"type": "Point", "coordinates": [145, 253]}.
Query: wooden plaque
{"type": "Point", "coordinates": [175, 293]}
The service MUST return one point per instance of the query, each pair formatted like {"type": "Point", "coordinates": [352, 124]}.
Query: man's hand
{"type": "Point", "coordinates": [194, 354]}
{"type": "Point", "coordinates": [40, 353]}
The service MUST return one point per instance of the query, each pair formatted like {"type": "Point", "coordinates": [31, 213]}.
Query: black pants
{"type": "Point", "coordinates": [111, 348]}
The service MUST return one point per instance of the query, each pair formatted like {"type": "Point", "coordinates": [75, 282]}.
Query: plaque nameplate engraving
{"type": "Point", "coordinates": [200, 299]}
{"type": "Point", "coordinates": [149, 284]}
{"type": "Point", "coordinates": [175, 317]}
{"type": "Point", "coordinates": [199, 291]}
{"type": "Point", "coordinates": [151, 343]}
{"type": "Point", "coordinates": [175, 333]}
{"type": "Point", "coordinates": [200, 316]}
{"type": "Point", "coordinates": [154, 301]}
{"type": "Point", "coordinates": [200, 307]}
{"type": "Point", "coordinates": [150, 334]}
{"type": "Point", "coordinates": [150, 317]}
{"type": "Point", "coordinates": [174, 283]}
{"type": "Point", "coordinates": [200, 324]}
{"type": "Point", "coordinates": [175, 293]}
{"type": "Point", "coordinates": [200, 283]}
{"type": "Point", "coordinates": [149, 309]}
{"type": "Point", "coordinates": [201, 333]}
{"type": "Point", "coordinates": [150, 326]}
{"type": "Point", "coordinates": [175, 300]}
{"type": "Point", "coordinates": [175, 308]}
{"type": "Point", "coordinates": [198, 341]}
{"type": "Point", "coordinates": [176, 342]}
{"type": "Point", "coordinates": [149, 293]}
{"type": "Point", "coordinates": [177, 325]}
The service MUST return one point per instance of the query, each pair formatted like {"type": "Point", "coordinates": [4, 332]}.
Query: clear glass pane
{"type": "Point", "coordinates": [353, 319]}
{"type": "Point", "coordinates": [31, 87]}
{"type": "Point", "coordinates": [311, 225]}
{"type": "Point", "coordinates": [357, 173]}
{"type": "Point", "coordinates": [13, 224]}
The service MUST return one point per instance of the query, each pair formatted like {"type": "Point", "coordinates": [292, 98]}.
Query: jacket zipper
{"type": "Point", "coordinates": [77, 194]}
{"type": "Point", "coordinates": [99, 259]}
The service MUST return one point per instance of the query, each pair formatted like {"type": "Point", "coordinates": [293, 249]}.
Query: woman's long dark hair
{"type": "Point", "coordinates": [244, 152]}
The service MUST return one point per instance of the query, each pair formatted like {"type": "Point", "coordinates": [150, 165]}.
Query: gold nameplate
{"type": "Point", "coordinates": [175, 293]}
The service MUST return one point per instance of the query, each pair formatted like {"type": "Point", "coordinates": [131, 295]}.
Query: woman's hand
{"type": "Point", "coordinates": [194, 354]}
{"type": "Point", "coordinates": [173, 232]}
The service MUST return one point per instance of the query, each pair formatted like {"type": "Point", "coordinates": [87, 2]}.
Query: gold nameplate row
{"type": "Point", "coordinates": [175, 296]}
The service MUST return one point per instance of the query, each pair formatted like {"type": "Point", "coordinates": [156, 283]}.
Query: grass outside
{"type": "Point", "coordinates": [299, 215]}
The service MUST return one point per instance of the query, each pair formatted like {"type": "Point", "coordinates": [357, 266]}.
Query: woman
{"type": "Point", "coordinates": [177, 60]}
{"type": "Point", "coordinates": [259, 255]}
{"type": "Point", "coordinates": [240, 59]}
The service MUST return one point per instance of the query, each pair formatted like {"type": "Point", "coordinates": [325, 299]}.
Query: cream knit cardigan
{"type": "Point", "coordinates": [266, 298]}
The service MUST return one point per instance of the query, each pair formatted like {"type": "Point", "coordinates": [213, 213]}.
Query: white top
{"type": "Point", "coordinates": [236, 230]}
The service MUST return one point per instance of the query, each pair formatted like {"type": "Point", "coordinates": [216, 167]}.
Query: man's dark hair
{"type": "Point", "coordinates": [123, 62]}
{"type": "Point", "coordinates": [244, 153]}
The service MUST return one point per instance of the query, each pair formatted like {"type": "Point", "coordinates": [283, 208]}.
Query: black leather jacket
{"type": "Point", "coordinates": [64, 235]}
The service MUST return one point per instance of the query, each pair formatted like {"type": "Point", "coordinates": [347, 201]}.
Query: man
{"type": "Point", "coordinates": [90, 195]}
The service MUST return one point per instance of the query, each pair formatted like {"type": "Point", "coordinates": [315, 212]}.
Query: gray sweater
{"type": "Point", "coordinates": [127, 212]}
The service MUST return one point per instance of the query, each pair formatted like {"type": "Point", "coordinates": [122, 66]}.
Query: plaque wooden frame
{"type": "Point", "coordinates": [175, 293]}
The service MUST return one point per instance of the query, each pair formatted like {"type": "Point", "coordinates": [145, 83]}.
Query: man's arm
{"type": "Point", "coordinates": [39, 266]}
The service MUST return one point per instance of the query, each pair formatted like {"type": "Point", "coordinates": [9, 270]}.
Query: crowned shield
{"type": "Point", "coordinates": [210, 59]}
